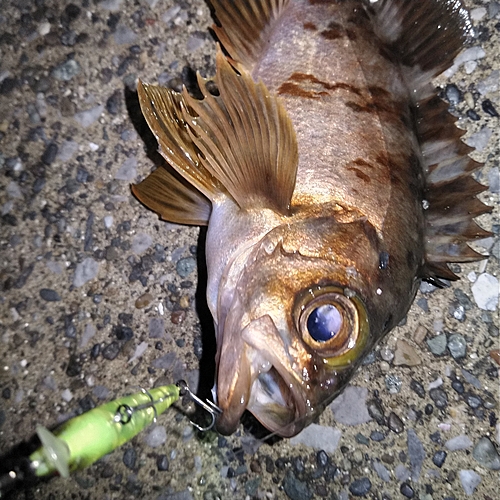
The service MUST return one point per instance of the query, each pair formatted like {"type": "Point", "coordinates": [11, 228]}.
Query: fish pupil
{"type": "Point", "coordinates": [324, 323]}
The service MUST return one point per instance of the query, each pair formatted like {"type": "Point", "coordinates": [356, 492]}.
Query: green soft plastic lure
{"type": "Point", "coordinates": [82, 440]}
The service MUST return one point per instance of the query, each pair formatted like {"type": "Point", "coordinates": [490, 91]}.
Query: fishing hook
{"type": "Point", "coordinates": [208, 406]}
{"type": "Point", "coordinates": [124, 412]}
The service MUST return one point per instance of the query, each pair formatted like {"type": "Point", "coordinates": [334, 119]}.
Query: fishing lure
{"type": "Point", "coordinates": [83, 440]}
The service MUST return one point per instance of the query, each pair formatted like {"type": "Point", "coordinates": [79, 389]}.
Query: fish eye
{"type": "Point", "coordinates": [331, 322]}
{"type": "Point", "coordinates": [324, 322]}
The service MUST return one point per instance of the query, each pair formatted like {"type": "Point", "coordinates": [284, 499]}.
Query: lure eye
{"type": "Point", "coordinates": [324, 322]}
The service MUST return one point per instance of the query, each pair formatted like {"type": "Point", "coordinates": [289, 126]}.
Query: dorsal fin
{"type": "Point", "coordinates": [245, 139]}
{"type": "Point", "coordinates": [245, 26]}
{"type": "Point", "coordinates": [425, 37]}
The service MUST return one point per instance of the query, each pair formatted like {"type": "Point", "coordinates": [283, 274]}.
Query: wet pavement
{"type": "Point", "coordinates": [99, 297]}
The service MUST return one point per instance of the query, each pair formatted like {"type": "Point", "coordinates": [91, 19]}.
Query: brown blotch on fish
{"type": "Point", "coordinates": [337, 30]}
{"type": "Point", "coordinates": [382, 159]}
{"type": "Point", "coordinates": [372, 107]}
{"type": "Point", "coordinates": [310, 26]}
{"type": "Point", "coordinates": [301, 77]}
{"type": "Point", "coordinates": [397, 171]}
{"type": "Point", "coordinates": [361, 175]}
{"type": "Point", "coordinates": [334, 31]}
{"type": "Point", "coordinates": [379, 92]}
{"type": "Point", "coordinates": [332, 34]}
{"type": "Point", "coordinates": [351, 34]}
{"type": "Point", "coordinates": [291, 88]}
{"type": "Point", "coordinates": [363, 163]}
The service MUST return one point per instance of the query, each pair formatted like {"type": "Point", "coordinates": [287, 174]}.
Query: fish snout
{"type": "Point", "coordinates": [225, 424]}
{"type": "Point", "coordinates": [258, 372]}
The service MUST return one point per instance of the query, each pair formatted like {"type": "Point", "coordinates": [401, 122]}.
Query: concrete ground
{"type": "Point", "coordinates": [98, 297]}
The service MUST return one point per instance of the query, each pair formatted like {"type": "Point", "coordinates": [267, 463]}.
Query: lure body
{"type": "Point", "coordinates": [82, 440]}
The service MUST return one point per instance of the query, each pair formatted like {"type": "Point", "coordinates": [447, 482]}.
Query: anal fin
{"type": "Point", "coordinates": [424, 37]}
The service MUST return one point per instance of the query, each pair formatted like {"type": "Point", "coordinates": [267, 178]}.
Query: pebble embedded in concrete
{"type": "Point", "coordinates": [437, 344]}
{"type": "Point", "coordinates": [405, 354]}
{"type": "Point", "coordinates": [485, 292]}
{"type": "Point", "coordinates": [85, 271]}
{"type": "Point", "coordinates": [350, 407]}
{"type": "Point", "coordinates": [318, 437]}
{"type": "Point", "coordinates": [461, 442]}
{"type": "Point", "coordinates": [470, 480]}
{"type": "Point", "coordinates": [486, 454]}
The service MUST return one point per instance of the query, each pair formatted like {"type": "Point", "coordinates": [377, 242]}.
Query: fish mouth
{"type": "Point", "coordinates": [261, 381]}
{"type": "Point", "coordinates": [275, 403]}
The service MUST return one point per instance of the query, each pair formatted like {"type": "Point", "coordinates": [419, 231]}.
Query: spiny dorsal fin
{"type": "Point", "coordinates": [451, 191]}
{"type": "Point", "coordinates": [161, 108]}
{"type": "Point", "coordinates": [245, 138]}
{"type": "Point", "coordinates": [173, 199]}
{"type": "Point", "coordinates": [425, 37]}
{"type": "Point", "coordinates": [245, 26]}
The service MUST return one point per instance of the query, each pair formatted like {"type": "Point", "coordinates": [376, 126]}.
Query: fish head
{"type": "Point", "coordinates": [295, 323]}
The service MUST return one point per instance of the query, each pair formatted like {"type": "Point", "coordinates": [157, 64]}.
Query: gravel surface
{"type": "Point", "coordinates": [97, 296]}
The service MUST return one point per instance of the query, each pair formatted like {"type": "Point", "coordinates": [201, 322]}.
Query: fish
{"type": "Point", "coordinates": [332, 180]}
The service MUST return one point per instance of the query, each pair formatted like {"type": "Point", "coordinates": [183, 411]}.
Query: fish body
{"type": "Point", "coordinates": [312, 165]}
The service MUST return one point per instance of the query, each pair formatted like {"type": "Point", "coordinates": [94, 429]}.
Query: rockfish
{"type": "Point", "coordinates": [332, 180]}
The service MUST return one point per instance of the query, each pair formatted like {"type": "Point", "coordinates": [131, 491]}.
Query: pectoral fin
{"type": "Point", "coordinates": [245, 139]}
{"type": "Point", "coordinates": [162, 109]}
{"type": "Point", "coordinates": [173, 198]}
{"type": "Point", "coordinates": [240, 143]}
